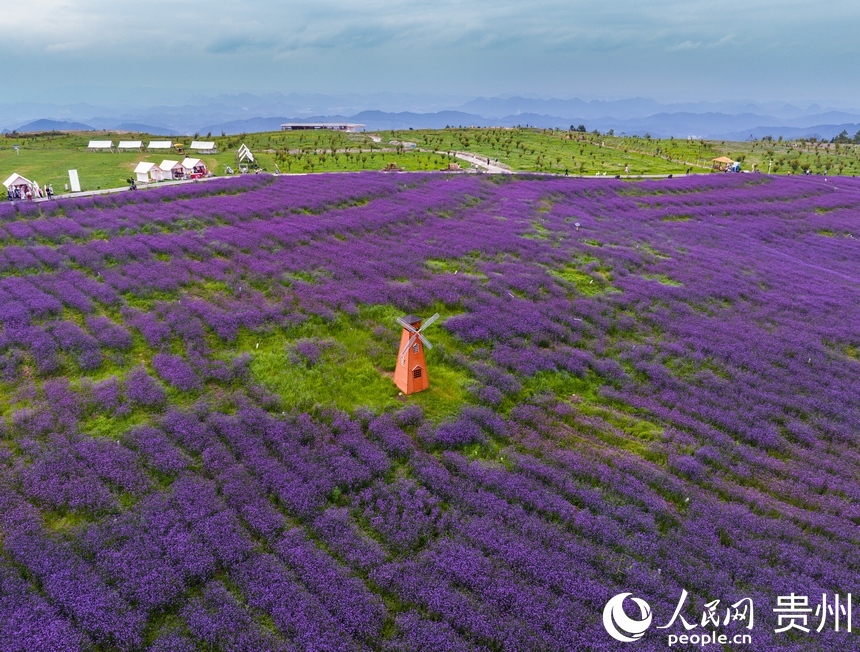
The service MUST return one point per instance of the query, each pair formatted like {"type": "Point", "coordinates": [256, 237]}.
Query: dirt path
{"type": "Point", "coordinates": [482, 162]}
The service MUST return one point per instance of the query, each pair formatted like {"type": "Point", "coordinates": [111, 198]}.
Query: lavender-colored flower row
{"type": "Point", "coordinates": [711, 322]}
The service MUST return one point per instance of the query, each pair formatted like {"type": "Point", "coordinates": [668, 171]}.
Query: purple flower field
{"type": "Point", "coordinates": [643, 388]}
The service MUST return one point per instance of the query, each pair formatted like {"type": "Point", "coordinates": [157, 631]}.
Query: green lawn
{"type": "Point", "coordinates": [545, 150]}
{"type": "Point", "coordinates": [355, 366]}
{"type": "Point", "coordinates": [548, 150]}
{"type": "Point", "coordinates": [46, 158]}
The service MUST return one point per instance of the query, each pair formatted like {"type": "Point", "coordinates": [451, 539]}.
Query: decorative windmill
{"type": "Point", "coordinates": [410, 375]}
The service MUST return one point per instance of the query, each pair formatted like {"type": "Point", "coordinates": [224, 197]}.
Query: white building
{"type": "Point", "coordinates": [173, 170]}
{"type": "Point", "coordinates": [148, 173]}
{"type": "Point", "coordinates": [23, 185]}
{"type": "Point", "coordinates": [96, 145]}
{"type": "Point", "coordinates": [194, 167]}
{"type": "Point", "coordinates": [130, 144]}
{"type": "Point", "coordinates": [160, 144]}
{"type": "Point", "coordinates": [349, 127]}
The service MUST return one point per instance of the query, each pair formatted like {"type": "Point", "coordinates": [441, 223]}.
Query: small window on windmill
{"type": "Point", "coordinates": [416, 373]}
{"type": "Point", "coordinates": [415, 348]}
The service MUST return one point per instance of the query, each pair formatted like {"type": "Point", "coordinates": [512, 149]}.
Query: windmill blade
{"type": "Point", "coordinates": [406, 325]}
{"type": "Point", "coordinates": [410, 343]}
{"type": "Point", "coordinates": [429, 321]}
{"type": "Point", "coordinates": [426, 341]}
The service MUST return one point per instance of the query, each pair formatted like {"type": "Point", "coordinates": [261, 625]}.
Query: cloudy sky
{"type": "Point", "coordinates": [795, 50]}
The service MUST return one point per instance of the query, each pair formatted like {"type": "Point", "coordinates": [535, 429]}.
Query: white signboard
{"type": "Point", "coordinates": [74, 181]}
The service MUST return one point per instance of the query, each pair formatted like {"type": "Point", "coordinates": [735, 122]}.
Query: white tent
{"type": "Point", "coordinates": [194, 166]}
{"type": "Point", "coordinates": [173, 169]}
{"type": "Point", "coordinates": [100, 144]}
{"type": "Point", "coordinates": [148, 172]}
{"type": "Point", "coordinates": [160, 144]}
{"type": "Point", "coordinates": [203, 146]}
{"type": "Point", "coordinates": [17, 180]}
{"type": "Point", "coordinates": [23, 185]}
{"type": "Point", "coordinates": [130, 144]}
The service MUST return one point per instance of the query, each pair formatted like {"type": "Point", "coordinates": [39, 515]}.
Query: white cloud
{"type": "Point", "coordinates": [686, 45]}
{"type": "Point", "coordinates": [222, 26]}
{"type": "Point", "coordinates": [697, 45]}
{"type": "Point", "coordinates": [235, 42]}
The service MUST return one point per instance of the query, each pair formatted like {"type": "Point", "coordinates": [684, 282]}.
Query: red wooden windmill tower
{"type": "Point", "coordinates": [410, 374]}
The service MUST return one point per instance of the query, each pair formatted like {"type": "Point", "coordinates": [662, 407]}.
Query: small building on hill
{"type": "Point", "coordinates": [194, 167]}
{"type": "Point", "coordinates": [173, 170]}
{"type": "Point", "coordinates": [18, 187]}
{"type": "Point", "coordinates": [130, 144]}
{"type": "Point", "coordinates": [148, 173]}
{"type": "Point", "coordinates": [349, 127]}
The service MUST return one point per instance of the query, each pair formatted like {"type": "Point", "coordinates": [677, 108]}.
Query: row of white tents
{"type": "Point", "coordinates": [145, 172]}
{"type": "Point", "coordinates": [188, 168]}
{"type": "Point", "coordinates": [201, 146]}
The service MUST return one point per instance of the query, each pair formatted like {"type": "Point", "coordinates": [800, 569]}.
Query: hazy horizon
{"type": "Point", "coordinates": [122, 98]}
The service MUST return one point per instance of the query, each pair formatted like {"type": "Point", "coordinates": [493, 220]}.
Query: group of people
{"type": "Point", "coordinates": [15, 193]}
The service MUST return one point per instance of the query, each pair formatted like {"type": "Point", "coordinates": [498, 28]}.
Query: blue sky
{"type": "Point", "coordinates": [794, 50]}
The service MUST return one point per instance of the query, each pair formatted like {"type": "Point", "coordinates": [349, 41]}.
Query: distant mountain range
{"type": "Point", "coordinates": [246, 113]}
{"type": "Point", "coordinates": [46, 124]}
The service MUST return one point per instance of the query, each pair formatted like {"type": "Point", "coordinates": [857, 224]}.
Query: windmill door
{"type": "Point", "coordinates": [419, 378]}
